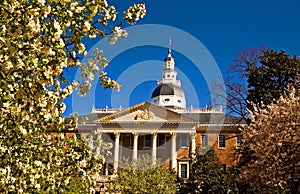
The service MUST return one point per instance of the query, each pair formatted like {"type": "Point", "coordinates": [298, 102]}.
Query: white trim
{"type": "Point", "coordinates": [206, 140]}
{"type": "Point", "coordinates": [219, 141]}
{"type": "Point", "coordinates": [187, 169]}
{"type": "Point", "coordinates": [238, 145]}
{"type": "Point", "coordinates": [221, 125]}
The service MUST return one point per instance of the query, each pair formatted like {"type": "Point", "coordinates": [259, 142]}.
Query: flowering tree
{"type": "Point", "coordinates": [274, 139]}
{"type": "Point", "coordinates": [38, 40]}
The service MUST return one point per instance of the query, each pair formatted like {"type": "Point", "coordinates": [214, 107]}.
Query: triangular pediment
{"type": "Point", "coordinates": [145, 112]}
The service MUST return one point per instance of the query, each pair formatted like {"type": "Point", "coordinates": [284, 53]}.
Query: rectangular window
{"type": "Point", "coordinates": [222, 141]}
{"type": "Point", "coordinates": [111, 138]}
{"type": "Point", "coordinates": [184, 140]}
{"type": "Point", "coordinates": [183, 170]}
{"type": "Point", "coordinates": [78, 136]}
{"type": "Point", "coordinates": [204, 141]}
{"type": "Point", "coordinates": [161, 140]}
{"type": "Point", "coordinates": [238, 141]}
{"type": "Point", "coordinates": [147, 141]}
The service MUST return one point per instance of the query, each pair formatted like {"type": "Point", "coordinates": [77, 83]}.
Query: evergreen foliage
{"type": "Point", "coordinates": [209, 176]}
{"type": "Point", "coordinates": [269, 79]}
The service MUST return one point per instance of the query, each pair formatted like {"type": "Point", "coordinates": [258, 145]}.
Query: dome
{"type": "Point", "coordinates": [167, 89]}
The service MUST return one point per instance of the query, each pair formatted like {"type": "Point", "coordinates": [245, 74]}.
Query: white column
{"type": "Point", "coordinates": [106, 170]}
{"type": "Point", "coordinates": [154, 145]}
{"type": "Point", "coordinates": [135, 145]}
{"type": "Point", "coordinates": [116, 149]}
{"type": "Point", "coordinates": [193, 144]}
{"type": "Point", "coordinates": [173, 151]}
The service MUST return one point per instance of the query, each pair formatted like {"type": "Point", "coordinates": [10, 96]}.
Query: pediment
{"type": "Point", "coordinates": [145, 112]}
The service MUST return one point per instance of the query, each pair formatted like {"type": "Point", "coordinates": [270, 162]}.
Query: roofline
{"type": "Point", "coordinates": [129, 109]}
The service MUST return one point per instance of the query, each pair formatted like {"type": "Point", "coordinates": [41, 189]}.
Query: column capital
{"type": "Point", "coordinates": [135, 134]}
{"type": "Point", "coordinates": [193, 134]}
{"type": "Point", "coordinates": [173, 134]}
{"type": "Point", "coordinates": [117, 134]}
{"type": "Point", "coordinates": [154, 134]}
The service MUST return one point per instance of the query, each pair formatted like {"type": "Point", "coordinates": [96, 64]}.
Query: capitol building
{"type": "Point", "coordinates": [165, 128]}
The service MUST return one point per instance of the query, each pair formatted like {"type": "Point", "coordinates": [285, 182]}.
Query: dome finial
{"type": "Point", "coordinates": [170, 44]}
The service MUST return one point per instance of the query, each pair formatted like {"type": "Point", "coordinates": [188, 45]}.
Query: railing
{"type": "Point", "coordinates": [199, 110]}
{"type": "Point", "coordinates": [188, 110]}
{"type": "Point", "coordinates": [167, 81]}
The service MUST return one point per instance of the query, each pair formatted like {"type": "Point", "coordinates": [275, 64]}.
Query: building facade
{"type": "Point", "coordinates": [165, 129]}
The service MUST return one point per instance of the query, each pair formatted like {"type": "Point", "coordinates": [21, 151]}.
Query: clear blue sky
{"type": "Point", "coordinates": [223, 27]}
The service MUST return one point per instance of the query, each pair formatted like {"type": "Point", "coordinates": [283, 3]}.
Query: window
{"type": "Point", "coordinates": [184, 140]}
{"type": "Point", "coordinates": [111, 137]}
{"type": "Point", "coordinates": [222, 141]}
{"type": "Point", "coordinates": [179, 101]}
{"type": "Point", "coordinates": [167, 100]}
{"type": "Point", "coordinates": [147, 141]}
{"type": "Point", "coordinates": [204, 141]}
{"type": "Point", "coordinates": [238, 141]}
{"type": "Point", "coordinates": [131, 140]}
{"type": "Point", "coordinates": [168, 75]}
{"type": "Point", "coordinates": [183, 170]}
{"type": "Point", "coordinates": [78, 136]}
{"type": "Point", "coordinates": [161, 140]}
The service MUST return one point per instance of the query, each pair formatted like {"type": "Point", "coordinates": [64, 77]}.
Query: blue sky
{"type": "Point", "coordinates": [223, 27]}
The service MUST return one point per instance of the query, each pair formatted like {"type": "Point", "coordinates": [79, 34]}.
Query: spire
{"type": "Point", "coordinates": [168, 92]}
{"type": "Point", "coordinates": [169, 73]}
{"type": "Point", "coordinates": [169, 57]}
{"type": "Point", "coordinates": [170, 44]}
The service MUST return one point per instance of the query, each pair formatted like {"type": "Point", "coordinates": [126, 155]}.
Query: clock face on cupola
{"type": "Point", "coordinates": [168, 92]}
